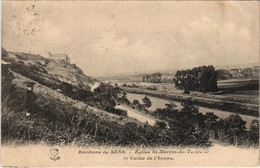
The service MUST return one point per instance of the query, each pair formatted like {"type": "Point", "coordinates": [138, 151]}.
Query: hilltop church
{"type": "Point", "coordinates": [60, 57]}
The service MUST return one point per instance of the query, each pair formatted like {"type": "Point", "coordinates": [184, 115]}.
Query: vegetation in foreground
{"type": "Point", "coordinates": [231, 130]}
{"type": "Point", "coordinates": [188, 122]}
{"type": "Point", "coordinates": [57, 123]}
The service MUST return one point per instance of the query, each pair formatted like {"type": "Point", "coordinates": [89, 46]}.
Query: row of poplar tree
{"type": "Point", "coordinates": [202, 78]}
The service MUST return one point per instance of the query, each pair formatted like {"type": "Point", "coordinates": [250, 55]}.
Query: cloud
{"type": "Point", "coordinates": [205, 41]}
{"type": "Point", "coordinates": [108, 37]}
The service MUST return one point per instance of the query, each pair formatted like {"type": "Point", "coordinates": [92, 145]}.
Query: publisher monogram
{"type": "Point", "coordinates": [54, 154]}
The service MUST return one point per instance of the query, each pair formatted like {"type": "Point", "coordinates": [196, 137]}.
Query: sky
{"type": "Point", "coordinates": [106, 37]}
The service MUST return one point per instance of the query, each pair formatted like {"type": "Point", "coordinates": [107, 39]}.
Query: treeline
{"type": "Point", "coordinates": [202, 79]}
{"type": "Point", "coordinates": [224, 74]}
{"type": "Point", "coordinates": [153, 78]}
{"type": "Point", "coordinates": [188, 121]}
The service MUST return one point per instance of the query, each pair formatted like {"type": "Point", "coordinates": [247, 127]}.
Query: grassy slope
{"type": "Point", "coordinates": [57, 118]}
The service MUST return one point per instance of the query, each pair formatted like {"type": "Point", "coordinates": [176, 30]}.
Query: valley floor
{"type": "Point", "coordinates": [203, 100]}
{"type": "Point", "coordinates": [160, 103]}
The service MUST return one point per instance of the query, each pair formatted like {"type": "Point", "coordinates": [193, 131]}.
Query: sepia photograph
{"type": "Point", "coordinates": [130, 83]}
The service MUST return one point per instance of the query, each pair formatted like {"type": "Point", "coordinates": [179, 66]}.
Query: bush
{"type": "Point", "coordinates": [253, 133]}
{"type": "Point", "coordinates": [232, 130]}
{"type": "Point", "coordinates": [189, 126]}
{"type": "Point", "coordinates": [147, 102]}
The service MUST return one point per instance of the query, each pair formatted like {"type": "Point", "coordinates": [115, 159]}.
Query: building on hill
{"type": "Point", "coordinates": [60, 57]}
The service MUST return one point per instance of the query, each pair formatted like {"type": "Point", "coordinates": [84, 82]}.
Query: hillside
{"type": "Point", "coordinates": [55, 102]}
{"type": "Point", "coordinates": [47, 71]}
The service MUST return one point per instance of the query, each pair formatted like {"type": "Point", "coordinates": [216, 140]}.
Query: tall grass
{"type": "Point", "coordinates": [61, 124]}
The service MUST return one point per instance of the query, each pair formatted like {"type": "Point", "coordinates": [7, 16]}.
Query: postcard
{"type": "Point", "coordinates": [130, 84]}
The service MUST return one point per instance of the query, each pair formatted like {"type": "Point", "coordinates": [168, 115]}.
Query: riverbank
{"type": "Point", "coordinates": [240, 108]}
{"type": "Point", "coordinates": [160, 103]}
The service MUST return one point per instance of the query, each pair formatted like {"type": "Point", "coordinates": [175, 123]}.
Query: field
{"type": "Point", "coordinates": [241, 89]}
{"type": "Point", "coordinates": [235, 90]}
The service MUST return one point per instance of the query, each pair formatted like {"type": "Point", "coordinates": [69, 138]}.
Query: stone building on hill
{"type": "Point", "coordinates": [60, 57]}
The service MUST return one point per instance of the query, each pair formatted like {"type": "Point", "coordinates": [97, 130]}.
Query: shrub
{"type": "Point", "coordinates": [253, 133]}
{"type": "Point", "coordinates": [147, 102]}
{"type": "Point", "coordinates": [232, 129]}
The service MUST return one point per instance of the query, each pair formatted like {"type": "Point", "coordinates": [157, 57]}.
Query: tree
{"type": "Point", "coordinates": [254, 132]}
{"type": "Point", "coordinates": [153, 78]}
{"type": "Point", "coordinates": [203, 79]}
{"type": "Point", "coordinates": [147, 102]}
{"type": "Point", "coordinates": [135, 102]}
{"type": "Point", "coordinates": [223, 74]}
{"type": "Point", "coordinates": [187, 125]}
{"type": "Point", "coordinates": [211, 121]}
{"type": "Point", "coordinates": [232, 129]}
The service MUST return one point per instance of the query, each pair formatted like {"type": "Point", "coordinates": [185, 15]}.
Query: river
{"type": "Point", "coordinates": [160, 103]}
